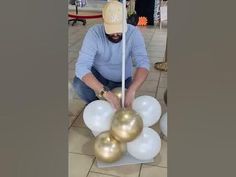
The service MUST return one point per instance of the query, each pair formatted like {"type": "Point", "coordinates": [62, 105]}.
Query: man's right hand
{"type": "Point", "coordinates": [113, 99]}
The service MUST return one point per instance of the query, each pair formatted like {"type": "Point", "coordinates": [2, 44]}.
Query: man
{"type": "Point", "coordinates": [99, 65]}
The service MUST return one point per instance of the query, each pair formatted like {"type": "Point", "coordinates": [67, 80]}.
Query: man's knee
{"type": "Point", "coordinates": [83, 91]}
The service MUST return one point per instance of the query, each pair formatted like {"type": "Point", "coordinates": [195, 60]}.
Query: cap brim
{"type": "Point", "coordinates": [111, 29]}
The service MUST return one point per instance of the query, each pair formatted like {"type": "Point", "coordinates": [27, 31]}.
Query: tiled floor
{"type": "Point", "coordinates": [82, 162]}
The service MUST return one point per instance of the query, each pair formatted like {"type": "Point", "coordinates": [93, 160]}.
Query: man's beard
{"type": "Point", "coordinates": [114, 40]}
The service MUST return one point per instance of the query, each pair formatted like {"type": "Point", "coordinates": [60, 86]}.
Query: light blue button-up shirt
{"type": "Point", "coordinates": [106, 57]}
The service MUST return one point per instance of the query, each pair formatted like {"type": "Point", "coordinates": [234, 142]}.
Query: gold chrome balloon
{"type": "Point", "coordinates": [118, 92]}
{"type": "Point", "coordinates": [126, 125]}
{"type": "Point", "coordinates": [107, 148]}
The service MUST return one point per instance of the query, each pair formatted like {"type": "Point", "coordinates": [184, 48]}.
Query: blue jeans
{"type": "Point", "coordinates": [87, 94]}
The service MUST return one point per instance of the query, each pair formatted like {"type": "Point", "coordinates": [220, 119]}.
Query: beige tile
{"type": "Point", "coordinates": [79, 122]}
{"type": "Point", "coordinates": [152, 68]}
{"type": "Point", "coordinates": [161, 158]}
{"type": "Point", "coordinates": [157, 55]}
{"type": "Point", "coordinates": [154, 59]}
{"type": "Point", "coordinates": [92, 174]}
{"type": "Point", "coordinates": [153, 76]}
{"type": "Point", "coordinates": [76, 47]}
{"type": "Point", "coordinates": [121, 171]}
{"type": "Point", "coordinates": [71, 119]}
{"type": "Point", "coordinates": [159, 40]}
{"type": "Point", "coordinates": [79, 165]}
{"type": "Point", "coordinates": [149, 86]}
{"type": "Point", "coordinates": [81, 141]}
{"type": "Point", "coordinates": [163, 82]}
{"type": "Point", "coordinates": [75, 106]}
{"type": "Point", "coordinates": [160, 93]}
{"type": "Point", "coordinates": [156, 127]}
{"type": "Point", "coordinates": [72, 56]}
{"type": "Point", "coordinates": [160, 35]}
{"type": "Point", "coordinates": [71, 74]}
{"type": "Point", "coordinates": [71, 65]}
{"type": "Point", "coordinates": [164, 74]}
{"type": "Point", "coordinates": [157, 44]}
{"type": "Point", "coordinates": [163, 106]}
{"type": "Point", "coordinates": [155, 49]}
{"type": "Point", "coordinates": [153, 171]}
{"type": "Point", "coordinates": [141, 93]}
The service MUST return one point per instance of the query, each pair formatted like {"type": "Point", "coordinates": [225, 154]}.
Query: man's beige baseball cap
{"type": "Point", "coordinates": [113, 17]}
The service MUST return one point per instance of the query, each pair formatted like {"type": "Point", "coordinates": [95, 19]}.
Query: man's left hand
{"type": "Point", "coordinates": [129, 97]}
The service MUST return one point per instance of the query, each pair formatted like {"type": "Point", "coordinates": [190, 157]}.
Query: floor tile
{"type": "Point", "coordinates": [164, 74]}
{"type": "Point", "coordinates": [75, 106]}
{"type": "Point", "coordinates": [155, 45]}
{"type": "Point", "coordinates": [153, 171]}
{"type": "Point", "coordinates": [72, 56]}
{"type": "Point", "coordinates": [79, 165]}
{"type": "Point", "coordinates": [149, 86]}
{"type": "Point", "coordinates": [163, 82]}
{"type": "Point", "coordinates": [81, 141]}
{"type": "Point", "coordinates": [156, 54]}
{"type": "Point", "coordinates": [79, 122]}
{"type": "Point", "coordinates": [153, 76]}
{"type": "Point", "coordinates": [156, 49]}
{"type": "Point", "coordinates": [156, 127]}
{"type": "Point", "coordinates": [121, 171]}
{"type": "Point", "coordinates": [160, 93]}
{"type": "Point", "coordinates": [141, 93]}
{"type": "Point", "coordinates": [161, 158]}
{"type": "Point", "coordinates": [92, 174]}
{"type": "Point", "coordinates": [154, 59]}
{"type": "Point", "coordinates": [75, 38]}
{"type": "Point", "coordinates": [71, 65]}
{"type": "Point", "coordinates": [71, 75]}
{"type": "Point", "coordinates": [163, 105]}
{"type": "Point", "coordinates": [71, 119]}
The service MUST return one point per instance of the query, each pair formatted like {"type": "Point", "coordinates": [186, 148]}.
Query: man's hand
{"type": "Point", "coordinates": [113, 99]}
{"type": "Point", "coordinates": [129, 97]}
{"type": "Point", "coordinates": [139, 77]}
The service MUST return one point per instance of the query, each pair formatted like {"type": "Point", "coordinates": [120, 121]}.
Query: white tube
{"type": "Point", "coordinates": [123, 53]}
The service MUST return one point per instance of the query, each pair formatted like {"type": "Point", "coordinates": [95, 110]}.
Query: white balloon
{"type": "Point", "coordinates": [98, 115]}
{"type": "Point", "coordinates": [146, 146]}
{"type": "Point", "coordinates": [163, 124]}
{"type": "Point", "coordinates": [148, 108]}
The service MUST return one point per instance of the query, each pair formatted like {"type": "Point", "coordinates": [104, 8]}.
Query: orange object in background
{"type": "Point", "coordinates": [142, 21]}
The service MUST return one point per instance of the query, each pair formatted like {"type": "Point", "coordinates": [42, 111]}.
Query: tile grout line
{"type": "Point", "coordinates": [91, 166]}
{"type": "Point", "coordinates": [157, 85]}
{"type": "Point", "coordinates": [73, 121]}
{"type": "Point", "coordinates": [104, 174]}
{"type": "Point", "coordinates": [77, 40]}
{"type": "Point", "coordinates": [76, 118]}
{"type": "Point", "coordinates": [77, 153]}
{"type": "Point", "coordinates": [156, 166]}
{"type": "Point", "coordinates": [140, 169]}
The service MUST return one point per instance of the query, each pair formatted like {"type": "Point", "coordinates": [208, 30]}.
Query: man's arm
{"type": "Point", "coordinates": [142, 64]}
{"type": "Point", "coordinates": [90, 80]}
{"type": "Point", "coordinates": [138, 79]}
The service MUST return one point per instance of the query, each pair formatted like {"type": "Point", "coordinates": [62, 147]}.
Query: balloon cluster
{"type": "Point", "coordinates": [126, 129]}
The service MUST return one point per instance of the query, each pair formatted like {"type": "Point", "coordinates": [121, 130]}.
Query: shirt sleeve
{"type": "Point", "coordinates": [139, 52]}
{"type": "Point", "coordinates": [86, 55]}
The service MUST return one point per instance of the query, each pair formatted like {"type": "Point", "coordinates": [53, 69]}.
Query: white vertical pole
{"type": "Point", "coordinates": [123, 53]}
